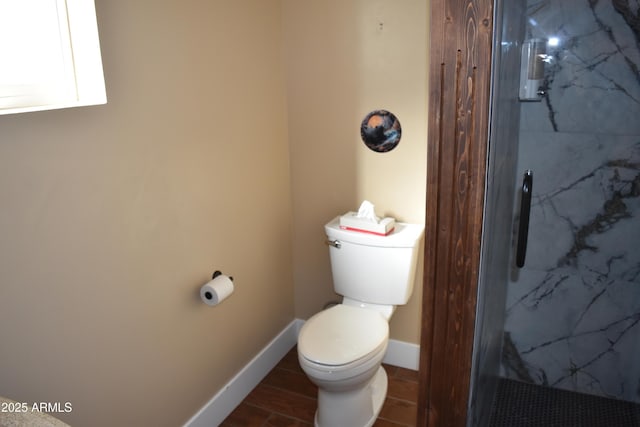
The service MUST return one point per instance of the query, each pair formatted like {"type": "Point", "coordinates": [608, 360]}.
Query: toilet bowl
{"type": "Point", "coordinates": [341, 348]}
{"type": "Point", "coordinates": [341, 351]}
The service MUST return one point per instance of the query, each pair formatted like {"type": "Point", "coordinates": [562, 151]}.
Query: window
{"type": "Point", "coordinates": [50, 55]}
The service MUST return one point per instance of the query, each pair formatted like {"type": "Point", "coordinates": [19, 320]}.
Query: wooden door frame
{"type": "Point", "coordinates": [459, 92]}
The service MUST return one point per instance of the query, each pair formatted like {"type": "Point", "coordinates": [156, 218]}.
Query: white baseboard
{"type": "Point", "coordinates": [403, 354]}
{"type": "Point", "coordinates": [227, 399]}
{"type": "Point", "coordinates": [399, 353]}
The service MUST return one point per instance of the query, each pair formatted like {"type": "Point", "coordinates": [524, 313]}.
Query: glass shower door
{"type": "Point", "coordinates": [572, 316]}
{"type": "Point", "coordinates": [573, 310]}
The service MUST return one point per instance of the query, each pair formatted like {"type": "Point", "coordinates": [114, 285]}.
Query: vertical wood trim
{"type": "Point", "coordinates": [459, 84]}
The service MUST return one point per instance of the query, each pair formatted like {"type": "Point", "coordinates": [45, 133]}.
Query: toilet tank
{"type": "Point", "coordinates": [372, 268]}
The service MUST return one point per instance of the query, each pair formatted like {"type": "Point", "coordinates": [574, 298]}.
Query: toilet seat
{"type": "Point", "coordinates": [343, 336]}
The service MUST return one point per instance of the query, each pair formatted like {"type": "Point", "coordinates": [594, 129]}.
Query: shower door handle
{"type": "Point", "coordinates": [525, 210]}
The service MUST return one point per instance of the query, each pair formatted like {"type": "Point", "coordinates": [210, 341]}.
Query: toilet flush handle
{"type": "Point", "coordinates": [334, 243]}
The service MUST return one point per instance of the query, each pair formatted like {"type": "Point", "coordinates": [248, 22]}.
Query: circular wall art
{"type": "Point", "coordinates": [380, 130]}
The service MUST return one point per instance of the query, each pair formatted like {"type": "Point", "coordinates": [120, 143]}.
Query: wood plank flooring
{"type": "Point", "coordinates": [286, 398]}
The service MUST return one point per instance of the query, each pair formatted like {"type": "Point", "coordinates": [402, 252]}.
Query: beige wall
{"type": "Point", "coordinates": [344, 59]}
{"type": "Point", "coordinates": [113, 216]}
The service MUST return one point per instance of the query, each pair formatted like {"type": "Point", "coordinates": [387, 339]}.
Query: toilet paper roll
{"type": "Point", "coordinates": [217, 290]}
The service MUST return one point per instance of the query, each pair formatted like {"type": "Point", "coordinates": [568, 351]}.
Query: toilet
{"type": "Point", "coordinates": [341, 348]}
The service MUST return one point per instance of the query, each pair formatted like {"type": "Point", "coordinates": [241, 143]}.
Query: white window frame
{"type": "Point", "coordinates": [79, 78]}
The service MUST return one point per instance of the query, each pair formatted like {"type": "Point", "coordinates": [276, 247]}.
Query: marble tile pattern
{"type": "Point", "coordinates": [573, 311]}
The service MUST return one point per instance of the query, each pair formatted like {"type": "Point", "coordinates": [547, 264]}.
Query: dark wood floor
{"type": "Point", "coordinates": [286, 398]}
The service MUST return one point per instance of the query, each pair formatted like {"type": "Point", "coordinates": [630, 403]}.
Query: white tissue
{"type": "Point", "coordinates": [367, 211]}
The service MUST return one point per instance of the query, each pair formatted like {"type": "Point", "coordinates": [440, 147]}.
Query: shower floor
{"type": "Point", "coordinates": [520, 404]}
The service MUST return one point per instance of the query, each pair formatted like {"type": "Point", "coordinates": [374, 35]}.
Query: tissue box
{"type": "Point", "coordinates": [351, 221]}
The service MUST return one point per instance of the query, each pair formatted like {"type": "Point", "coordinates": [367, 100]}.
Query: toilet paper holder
{"type": "Point", "coordinates": [218, 273]}
{"type": "Point", "coordinates": [213, 295]}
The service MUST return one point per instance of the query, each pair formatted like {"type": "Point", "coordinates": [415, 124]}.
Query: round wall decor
{"type": "Point", "coordinates": [381, 131]}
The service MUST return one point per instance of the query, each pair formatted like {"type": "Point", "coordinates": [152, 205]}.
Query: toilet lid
{"type": "Point", "coordinates": [342, 334]}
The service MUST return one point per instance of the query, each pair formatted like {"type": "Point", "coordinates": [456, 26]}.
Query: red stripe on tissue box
{"type": "Point", "coordinates": [359, 230]}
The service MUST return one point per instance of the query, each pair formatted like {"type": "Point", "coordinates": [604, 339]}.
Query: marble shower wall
{"type": "Point", "coordinates": [573, 312]}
